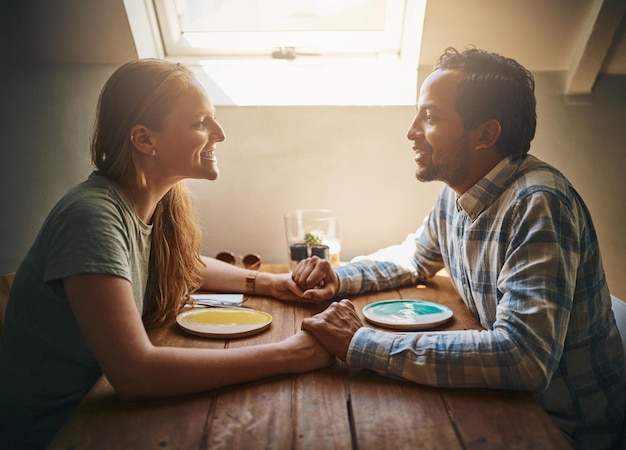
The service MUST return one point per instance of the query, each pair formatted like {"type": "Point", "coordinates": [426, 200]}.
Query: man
{"type": "Point", "coordinates": [520, 248]}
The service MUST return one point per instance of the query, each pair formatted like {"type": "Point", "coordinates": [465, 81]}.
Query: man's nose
{"type": "Point", "coordinates": [414, 130]}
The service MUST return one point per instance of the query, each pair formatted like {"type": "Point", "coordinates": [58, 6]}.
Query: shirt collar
{"type": "Point", "coordinates": [477, 198]}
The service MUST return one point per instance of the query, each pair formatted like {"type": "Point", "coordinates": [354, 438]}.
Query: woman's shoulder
{"type": "Point", "coordinates": [91, 204]}
{"type": "Point", "coordinates": [95, 194]}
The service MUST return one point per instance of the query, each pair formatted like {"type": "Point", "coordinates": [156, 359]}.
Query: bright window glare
{"type": "Point", "coordinates": [364, 82]}
{"type": "Point", "coordinates": [295, 52]}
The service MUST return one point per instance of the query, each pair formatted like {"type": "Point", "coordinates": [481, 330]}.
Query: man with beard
{"type": "Point", "coordinates": [521, 250]}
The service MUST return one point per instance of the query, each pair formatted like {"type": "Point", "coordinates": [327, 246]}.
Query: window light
{"type": "Point", "coordinates": [295, 52]}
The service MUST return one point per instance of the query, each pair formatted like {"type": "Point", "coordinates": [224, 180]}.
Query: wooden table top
{"type": "Point", "coordinates": [332, 408]}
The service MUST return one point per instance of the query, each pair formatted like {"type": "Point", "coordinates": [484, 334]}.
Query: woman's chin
{"type": "Point", "coordinates": [209, 171]}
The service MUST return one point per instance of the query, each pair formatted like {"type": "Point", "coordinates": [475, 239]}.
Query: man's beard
{"type": "Point", "coordinates": [453, 169]}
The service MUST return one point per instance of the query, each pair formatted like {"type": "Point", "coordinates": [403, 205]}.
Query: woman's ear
{"type": "Point", "coordinates": [140, 138]}
{"type": "Point", "coordinates": [486, 134]}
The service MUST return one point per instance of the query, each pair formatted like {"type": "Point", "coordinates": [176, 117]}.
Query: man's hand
{"type": "Point", "coordinates": [335, 327]}
{"type": "Point", "coordinates": [316, 278]}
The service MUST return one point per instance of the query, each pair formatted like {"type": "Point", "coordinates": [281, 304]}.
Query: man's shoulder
{"type": "Point", "coordinates": [535, 175]}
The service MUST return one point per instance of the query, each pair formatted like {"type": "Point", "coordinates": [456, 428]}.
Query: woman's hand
{"type": "Point", "coordinates": [312, 281]}
{"type": "Point", "coordinates": [305, 353]}
{"type": "Point", "coordinates": [280, 286]}
{"type": "Point", "coordinates": [283, 287]}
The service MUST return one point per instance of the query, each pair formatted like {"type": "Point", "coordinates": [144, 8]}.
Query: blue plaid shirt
{"type": "Point", "coordinates": [522, 252]}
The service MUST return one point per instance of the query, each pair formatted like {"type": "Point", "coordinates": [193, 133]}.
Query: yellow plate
{"type": "Point", "coordinates": [224, 322]}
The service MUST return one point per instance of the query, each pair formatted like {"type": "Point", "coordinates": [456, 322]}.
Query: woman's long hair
{"type": "Point", "coordinates": [143, 92]}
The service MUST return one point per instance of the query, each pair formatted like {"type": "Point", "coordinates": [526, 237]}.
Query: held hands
{"type": "Point", "coordinates": [316, 278]}
{"type": "Point", "coordinates": [279, 286]}
{"type": "Point", "coordinates": [335, 327]}
{"type": "Point", "coordinates": [283, 287]}
{"type": "Point", "coordinates": [312, 281]}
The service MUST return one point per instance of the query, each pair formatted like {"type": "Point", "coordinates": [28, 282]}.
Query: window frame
{"type": "Point", "coordinates": [248, 44]}
{"type": "Point", "coordinates": [396, 66]}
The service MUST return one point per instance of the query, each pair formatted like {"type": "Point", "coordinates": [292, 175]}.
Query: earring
{"type": "Point", "coordinates": [154, 152]}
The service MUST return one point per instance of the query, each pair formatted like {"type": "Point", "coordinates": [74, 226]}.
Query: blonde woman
{"type": "Point", "coordinates": [120, 252]}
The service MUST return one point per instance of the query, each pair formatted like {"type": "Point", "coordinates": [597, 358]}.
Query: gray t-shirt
{"type": "Point", "coordinates": [46, 367]}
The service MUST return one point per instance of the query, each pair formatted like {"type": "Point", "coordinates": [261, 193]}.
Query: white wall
{"type": "Point", "coordinates": [355, 160]}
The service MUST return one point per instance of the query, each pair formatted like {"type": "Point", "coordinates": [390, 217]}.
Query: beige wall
{"type": "Point", "coordinates": [356, 160]}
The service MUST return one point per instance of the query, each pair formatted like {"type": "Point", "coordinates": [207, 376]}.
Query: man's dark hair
{"type": "Point", "coordinates": [495, 87]}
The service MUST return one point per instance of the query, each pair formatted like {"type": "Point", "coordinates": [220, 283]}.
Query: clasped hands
{"type": "Point", "coordinates": [335, 326]}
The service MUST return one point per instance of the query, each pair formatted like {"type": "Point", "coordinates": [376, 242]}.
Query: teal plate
{"type": "Point", "coordinates": [407, 314]}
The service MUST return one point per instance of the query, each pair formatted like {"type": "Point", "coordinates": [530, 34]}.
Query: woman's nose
{"type": "Point", "coordinates": [217, 133]}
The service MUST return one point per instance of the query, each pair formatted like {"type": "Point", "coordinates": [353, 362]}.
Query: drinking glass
{"type": "Point", "coordinates": [312, 231]}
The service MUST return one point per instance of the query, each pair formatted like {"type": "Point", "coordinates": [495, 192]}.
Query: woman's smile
{"type": "Point", "coordinates": [208, 155]}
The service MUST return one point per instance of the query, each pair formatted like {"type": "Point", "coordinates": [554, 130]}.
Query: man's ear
{"type": "Point", "coordinates": [486, 134]}
{"type": "Point", "coordinates": [140, 138]}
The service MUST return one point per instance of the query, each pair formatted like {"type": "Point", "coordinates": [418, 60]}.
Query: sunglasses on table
{"type": "Point", "coordinates": [250, 261]}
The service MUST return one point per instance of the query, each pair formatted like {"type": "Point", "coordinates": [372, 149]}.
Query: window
{"type": "Point", "coordinates": [282, 52]}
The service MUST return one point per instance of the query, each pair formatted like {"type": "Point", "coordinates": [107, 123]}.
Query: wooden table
{"type": "Point", "coordinates": [333, 408]}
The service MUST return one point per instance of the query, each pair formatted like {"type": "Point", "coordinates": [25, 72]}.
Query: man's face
{"type": "Point", "coordinates": [440, 141]}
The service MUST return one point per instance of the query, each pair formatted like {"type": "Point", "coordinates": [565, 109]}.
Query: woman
{"type": "Point", "coordinates": [120, 252]}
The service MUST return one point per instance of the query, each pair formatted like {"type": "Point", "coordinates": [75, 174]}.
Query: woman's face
{"type": "Point", "coordinates": [185, 145]}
